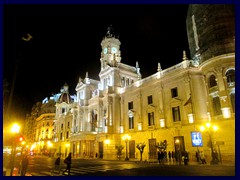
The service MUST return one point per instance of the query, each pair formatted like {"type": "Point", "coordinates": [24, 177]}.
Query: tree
{"type": "Point", "coordinates": [119, 149]}
{"type": "Point", "coordinates": [162, 145]}
{"type": "Point", "coordinates": [140, 147]}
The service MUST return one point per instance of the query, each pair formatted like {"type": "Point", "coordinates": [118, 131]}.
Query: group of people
{"type": "Point", "coordinates": [67, 161]}
{"type": "Point", "coordinates": [172, 156]}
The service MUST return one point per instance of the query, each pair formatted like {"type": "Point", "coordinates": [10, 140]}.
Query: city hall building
{"type": "Point", "coordinates": [170, 105]}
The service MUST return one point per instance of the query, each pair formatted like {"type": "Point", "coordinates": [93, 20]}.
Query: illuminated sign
{"type": "Point", "coordinates": [196, 139]}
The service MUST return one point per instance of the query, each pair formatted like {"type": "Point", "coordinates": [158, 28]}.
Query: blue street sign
{"type": "Point", "coordinates": [196, 139]}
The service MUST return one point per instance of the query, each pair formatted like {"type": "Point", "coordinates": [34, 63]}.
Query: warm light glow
{"type": "Point", "coordinates": [208, 125]}
{"type": "Point", "coordinates": [162, 123]}
{"type": "Point", "coordinates": [121, 129]}
{"type": "Point", "coordinates": [215, 128]}
{"type": "Point", "coordinates": [49, 144]}
{"type": "Point", "coordinates": [190, 118]}
{"type": "Point", "coordinates": [107, 141]}
{"type": "Point", "coordinates": [139, 126]}
{"type": "Point", "coordinates": [126, 137]}
{"type": "Point", "coordinates": [15, 128]}
{"type": "Point", "coordinates": [67, 145]}
{"type": "Point", "coordinates": [226, 112]}
{"type": "Point", "coordinates": [23, 143]}
{"type": "Point", "coordinates": [202, 128]}
{"type": "Point", "coordinates": [105, 129]}
{"type": "Point", "coordinates": [177, 141]}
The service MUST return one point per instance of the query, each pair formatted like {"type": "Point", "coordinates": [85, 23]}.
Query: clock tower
{"type": "Point", "coordinates": [111, 54]}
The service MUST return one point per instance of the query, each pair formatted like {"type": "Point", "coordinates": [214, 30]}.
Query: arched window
{"type": "Point", "coordinates": [230, 74]}
{"type": "Point", "coordinates": [212, 81]}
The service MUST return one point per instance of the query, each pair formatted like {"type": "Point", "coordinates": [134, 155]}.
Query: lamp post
{"type": "Point", "coordinates": [126, 138]}
{"type": "Point", "coordinates": [210, 129]}
{"type": "Point", "coordinates": [15, 130]}
{"type": "Point", "coordinates": [179, 150]}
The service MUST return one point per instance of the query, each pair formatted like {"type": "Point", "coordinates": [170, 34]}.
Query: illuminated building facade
{"type": "Point", "coordinates": [168, 105]}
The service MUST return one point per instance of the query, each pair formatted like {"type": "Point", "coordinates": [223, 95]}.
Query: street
{"type": "Point", "coordinates": [43, 166]}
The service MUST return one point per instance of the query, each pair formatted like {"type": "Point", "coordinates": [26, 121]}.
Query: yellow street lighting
{"type": "Point", "coordinates": [15, 128]}
{"type": "Point", "coordinates": [107, 141]}
{"type": "Point", "coordinates": [126, 138]}
{"type": "Point", "coordinates": [210, 129]}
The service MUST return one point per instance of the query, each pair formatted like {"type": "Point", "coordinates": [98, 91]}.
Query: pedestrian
{"type": "Point", "coordinates": [68, 161]}
{"type": "Point", "coordinates": [197, 156]}
{"type": "Point", "coordinates": [169, 155]}
{"type": "Point", "coordinates": [57, 165]}
{"type": "Point", "coordinates": [173, 155]}
{"type": "Point", "coordinates": [202, 158]}
{"type": "Point", "coordinates": [24, 165]}
{"type": "Point", "coordinates": [159, 157]}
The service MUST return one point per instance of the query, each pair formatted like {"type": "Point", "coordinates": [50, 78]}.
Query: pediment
{"type": "Point", "coordinates": [151, 108]}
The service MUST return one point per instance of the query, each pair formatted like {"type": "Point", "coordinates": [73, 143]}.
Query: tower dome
{"type": "Point", "coordinates": [65, 96]}
{"type": "Point", "coordinates": [210, 30]}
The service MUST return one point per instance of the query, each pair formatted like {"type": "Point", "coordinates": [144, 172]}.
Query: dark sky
{"type": "Point", "coordinates": [66, 43]}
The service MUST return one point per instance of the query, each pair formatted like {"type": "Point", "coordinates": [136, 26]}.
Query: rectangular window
{"type": "Point", "coordinates": [130, 105]}
{"type": "Point", "coordinates": [151, 119]}
{"type": "Point", "coordinates": [67, 135]}
{"type": "Point", "coordinates": [150, 99]}
{"type": "Point", "coordinates": [217, 106]}
{"type": "Point", "coordinates": [174, 92]}
{"type": "Point", "coordinates": [131, 122]}
{"type": "Point", "coordinates": [176, 114]}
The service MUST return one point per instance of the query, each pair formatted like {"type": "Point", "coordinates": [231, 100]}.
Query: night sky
{"type": "Point", "coordinates": [66, 43]}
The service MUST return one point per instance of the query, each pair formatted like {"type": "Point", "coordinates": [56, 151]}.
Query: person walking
{"type": "Point", "coordinates": [202, 157]}
{"type": "Point", "coordinates": [24, 165]}
{"type": "Point", "coordinates": [57, 165]}
{"type": "Point", "coordinates": [68, 161]}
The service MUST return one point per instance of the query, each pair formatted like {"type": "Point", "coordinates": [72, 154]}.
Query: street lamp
{"type": "Point", "coordinates": [210, 129]}
{"type": "Point", "coordinates": [126, 138]}
{"type": "Point", "coordinates": [15, 130]}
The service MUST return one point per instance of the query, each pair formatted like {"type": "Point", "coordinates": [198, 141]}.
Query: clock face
{"type": "Point", "coordinates": [105, 51]}
{"type": "Point", "coordinates": [114, 50]}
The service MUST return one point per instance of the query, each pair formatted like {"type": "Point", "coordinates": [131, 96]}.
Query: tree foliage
{"type": "Point", "coordinates": [162, 145]}
{"type": "Point", "coordinates": [119, 149]}
{"type": "Point", "coordinates": [140, 147]}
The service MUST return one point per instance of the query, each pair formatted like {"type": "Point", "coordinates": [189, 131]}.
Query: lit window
{"type": "Point", "coordinates": [162, 123]}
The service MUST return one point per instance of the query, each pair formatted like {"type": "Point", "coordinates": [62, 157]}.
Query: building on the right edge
{"type": "Point", "coordinates": [211, 37]}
